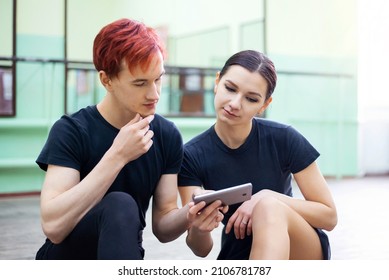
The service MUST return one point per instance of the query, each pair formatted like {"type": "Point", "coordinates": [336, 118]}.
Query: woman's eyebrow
{"type": "Point", "coordinates": [255, 93]}
{"type": "Point", "coordinates": [250, 92]}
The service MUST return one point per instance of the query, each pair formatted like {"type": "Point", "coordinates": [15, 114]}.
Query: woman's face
{"type": "Point", "coordinates": [240, 95]}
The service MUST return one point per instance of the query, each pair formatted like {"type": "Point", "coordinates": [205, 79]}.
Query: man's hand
{"type": "Point", "coordinates": [206, 218]}
{"type": "Point", "coordinates": [134, 139]}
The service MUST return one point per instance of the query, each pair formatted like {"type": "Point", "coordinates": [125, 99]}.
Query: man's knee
{"type": "Point", "coordinates": [120, 205]}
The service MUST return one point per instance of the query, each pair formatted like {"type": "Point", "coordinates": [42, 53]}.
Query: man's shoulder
{"type": "Point", "coordinates": [79, 122]}
{"type": "Point", "coordinates": [163, 124]}
{"type": "Point", "coordinates": [82, 115]}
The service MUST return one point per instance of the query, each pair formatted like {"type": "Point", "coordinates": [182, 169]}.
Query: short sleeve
{"type": "Point", "coordinates": [189, 173]}
{"type": "Point", "coordinates": [62, 147]}
{"type": "Point", "coordinates": [300, 151]}
{"type": "Point", "coordinates": [175, 148]}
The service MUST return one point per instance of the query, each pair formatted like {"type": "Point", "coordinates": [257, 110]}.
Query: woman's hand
{"type": "Point", "coordinates": [241, 221]}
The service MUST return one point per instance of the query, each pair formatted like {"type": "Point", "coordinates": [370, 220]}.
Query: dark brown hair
{"type": "Point", "coordinates": [254, 61]}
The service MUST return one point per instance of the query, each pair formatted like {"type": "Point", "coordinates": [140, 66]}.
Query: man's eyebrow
{"type": "Point", "coordinates": [145, 80]}
{"type": "Point", "coordinates": [139, 80]}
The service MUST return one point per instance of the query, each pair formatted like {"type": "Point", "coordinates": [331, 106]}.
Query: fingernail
{"type": "Point", "coordinates": [150, 118]}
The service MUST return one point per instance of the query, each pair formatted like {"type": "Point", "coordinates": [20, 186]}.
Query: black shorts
{"type": "Point", "coordinates": [239, 249]}
{"type": "Point", "coordinates": [325, 244]}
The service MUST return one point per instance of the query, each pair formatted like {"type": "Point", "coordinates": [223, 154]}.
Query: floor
{"type": "Point", "coordinates": [361, 233]}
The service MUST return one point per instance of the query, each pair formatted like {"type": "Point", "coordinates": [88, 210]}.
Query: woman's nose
{"type": "Point", "coordinates": [236, 101]}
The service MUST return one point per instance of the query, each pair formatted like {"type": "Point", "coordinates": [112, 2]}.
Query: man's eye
{"type": "Point", "coordinates": [139, 84]}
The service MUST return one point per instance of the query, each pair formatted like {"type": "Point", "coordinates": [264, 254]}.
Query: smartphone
{"type": "Point", "coordinates": [228, 196]}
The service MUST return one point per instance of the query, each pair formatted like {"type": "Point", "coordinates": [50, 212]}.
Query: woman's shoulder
{"type": "Point", "coordinates": [201, 139]}
{"type": "Point", "coordinates": [276, 130]}
{"type": "Point", "coordinates": [270, 124]}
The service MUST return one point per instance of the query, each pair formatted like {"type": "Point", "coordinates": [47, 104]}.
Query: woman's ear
{"type": "Point", "coordinates": [217, 80]}
{"type": "Point", "coordinates": [265, 105]}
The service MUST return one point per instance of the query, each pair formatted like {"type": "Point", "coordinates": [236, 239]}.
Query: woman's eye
{"type": "Point", "coordinates": [252, 100]}
{"type": "Point", "coordinates": [230, 89]}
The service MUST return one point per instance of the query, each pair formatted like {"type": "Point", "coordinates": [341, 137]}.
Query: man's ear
{"type": "Point", "coordinates": [104, 79]}
{"type": "Point", "coordinates": [265, 105]}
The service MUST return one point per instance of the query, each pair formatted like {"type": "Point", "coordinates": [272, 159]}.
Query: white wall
{"type": "Point", "coordinates": [177, 17]}
{"type": "Point", "coordinates": [312, 28]}
{"type": "Point", "coordinates": [184, 17]}
{"type": "Point", "coordinates": [373, 86]}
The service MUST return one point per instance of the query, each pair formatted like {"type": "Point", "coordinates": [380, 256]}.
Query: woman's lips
{"type": "Point", "coordinates": [229, 114]}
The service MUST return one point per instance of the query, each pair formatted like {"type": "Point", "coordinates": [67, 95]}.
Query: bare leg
{"type": "Point", "coordinates": [281, 233]}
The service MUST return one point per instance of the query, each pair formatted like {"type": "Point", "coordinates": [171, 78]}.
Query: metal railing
{"type": "Point", "coordinates": [188, 91]}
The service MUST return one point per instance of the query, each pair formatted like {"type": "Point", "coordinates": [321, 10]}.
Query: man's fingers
{"type": "Point", "coordinates": [136, 119]}
{"type": "Point", "coordinates": [149, 118]}
{"type": "Point", "coordinates": [196, 208]}
{"type": "Point", "coordinates": [141, 122]}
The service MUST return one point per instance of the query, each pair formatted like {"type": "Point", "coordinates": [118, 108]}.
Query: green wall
{"type": "Point", "coordinates": [324, 109]}
{"type": "Point", "coordinates": [39, 101]}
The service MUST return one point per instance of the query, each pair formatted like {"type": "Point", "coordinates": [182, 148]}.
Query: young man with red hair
{"type": "Point", "coordinates": [105, 162]}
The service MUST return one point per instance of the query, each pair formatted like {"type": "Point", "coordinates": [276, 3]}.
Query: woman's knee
{"type": "Point", "coordinates": [268, 210]}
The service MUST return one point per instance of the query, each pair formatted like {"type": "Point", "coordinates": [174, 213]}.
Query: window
{"type": "Point", "coordinates": [7, 99]}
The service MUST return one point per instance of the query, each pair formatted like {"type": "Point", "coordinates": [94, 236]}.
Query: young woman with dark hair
{"type": "Point", "coordinates": [242, 147]}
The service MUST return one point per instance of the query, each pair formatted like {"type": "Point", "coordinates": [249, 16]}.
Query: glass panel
{"type": "Point", "coordinates": [6, 92]}
{"type": "Point", "coordinates": [82, 89]}
{"type": "Point", "coordinates": [188, 92]}
{"type": "Point", "coordinates": [6, 28]}
{"type": "Point", "coordinates": [198, 50]}
{"type": "Point", "coordinates": [252, 36]}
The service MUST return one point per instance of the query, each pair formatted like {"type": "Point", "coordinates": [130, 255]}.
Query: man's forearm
{"type": "Point", "coordinates": [172, 225]}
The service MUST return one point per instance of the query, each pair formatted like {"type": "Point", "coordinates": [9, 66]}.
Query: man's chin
{"type": "Point", "coordinates": [146, 114]}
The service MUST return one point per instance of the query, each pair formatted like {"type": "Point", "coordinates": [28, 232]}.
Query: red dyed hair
{"type": "Point", "coordinates": [125, 39]}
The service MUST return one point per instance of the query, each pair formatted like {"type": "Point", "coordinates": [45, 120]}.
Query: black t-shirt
{"type": "Point", "coordinates": [79, 141]}
{"type": "Point", "coordinates": [268, 158]}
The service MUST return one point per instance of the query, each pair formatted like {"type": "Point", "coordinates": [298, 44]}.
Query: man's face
{"type": "Point", "coordinates": [138, 91]}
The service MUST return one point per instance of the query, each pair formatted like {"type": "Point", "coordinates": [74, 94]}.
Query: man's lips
{"type": "Point", "coordinates": [151, 105]}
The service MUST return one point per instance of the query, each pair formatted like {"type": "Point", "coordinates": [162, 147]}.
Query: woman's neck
{"type": "Point", "coordinates": [233, 136]}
